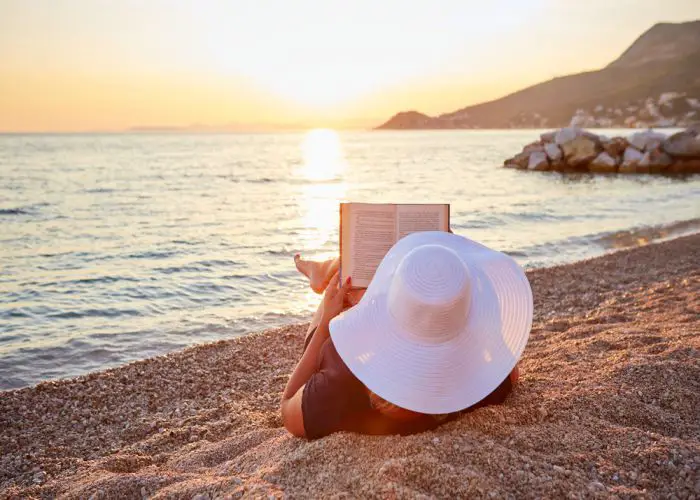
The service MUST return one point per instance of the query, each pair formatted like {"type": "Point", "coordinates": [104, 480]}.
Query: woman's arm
{"type": "Point", "coordinates": [292, 415]}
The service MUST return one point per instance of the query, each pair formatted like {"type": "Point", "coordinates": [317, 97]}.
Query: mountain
{"type": "Point", "coordinates": [655, 82]}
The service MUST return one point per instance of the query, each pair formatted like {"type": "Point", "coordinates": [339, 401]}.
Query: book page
{"type": "Point", "coordinates": [413, 218]}
{"type": "Point", "coordinates": [367, 233]}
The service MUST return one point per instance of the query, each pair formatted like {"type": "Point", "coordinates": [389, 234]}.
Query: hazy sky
{"type": "Point", "coordinates": [99, 64]}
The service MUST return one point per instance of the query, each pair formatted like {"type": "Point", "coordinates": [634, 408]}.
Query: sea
{"type": "Point", "coordinates": [118, 247]}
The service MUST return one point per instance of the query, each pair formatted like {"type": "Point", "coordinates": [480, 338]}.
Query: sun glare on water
{"type": "Point", "coordinates": [322, 168]}
{"type": "Point", "coordinates": [322, 155]}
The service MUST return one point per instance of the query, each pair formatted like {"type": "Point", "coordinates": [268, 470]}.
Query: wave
{"type": "Point", "coordinates": [589, 245]}
{"type": "Point", "coordinates": [25, 210]}
{"type": "Point", "coordinates": [99, 190]}
{"type": "Point", "coordinates": [647, 234]}
{"type": "Point", "coordinates": [94, 313]}
{"type": "Point", "coordinates": [152, 254]}
{"type": "Point", "coordinates": [13, 211]}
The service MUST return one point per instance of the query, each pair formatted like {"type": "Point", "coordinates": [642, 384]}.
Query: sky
{"type": "Point", "coordinates": [76, 65]}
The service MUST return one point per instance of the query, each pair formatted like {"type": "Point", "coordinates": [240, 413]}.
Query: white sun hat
{"type": "Point", "coordinates": [442, 324]}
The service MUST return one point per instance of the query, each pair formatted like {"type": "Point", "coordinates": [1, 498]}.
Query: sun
{"type": "Point", "coordinates": [322, 155]}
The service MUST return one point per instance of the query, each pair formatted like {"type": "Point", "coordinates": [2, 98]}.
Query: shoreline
{"type": "Point", "coordinates": [598, 244]}
{"type": "Point", "coordinates": [607, 405]}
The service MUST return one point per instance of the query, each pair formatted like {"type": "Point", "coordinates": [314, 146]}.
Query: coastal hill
{"type": "Point", "coordinates": [654, 83]}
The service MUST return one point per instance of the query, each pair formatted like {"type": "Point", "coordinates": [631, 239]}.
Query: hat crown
{"type": "Point", "coordinates": [430, 294]}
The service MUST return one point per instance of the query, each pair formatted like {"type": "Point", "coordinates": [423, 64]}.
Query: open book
{"type": "Point", "coordinates": [368, 231]}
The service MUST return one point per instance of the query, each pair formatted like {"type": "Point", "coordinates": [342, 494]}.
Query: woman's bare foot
{"type": "Point", "coordinates": [319, 273]}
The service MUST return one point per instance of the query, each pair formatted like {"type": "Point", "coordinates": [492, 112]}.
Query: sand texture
{"type": "Point", "coordinates": [608, 405]}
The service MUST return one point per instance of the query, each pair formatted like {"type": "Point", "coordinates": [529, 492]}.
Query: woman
{"type": "Point", "coordinates": [439, 331]}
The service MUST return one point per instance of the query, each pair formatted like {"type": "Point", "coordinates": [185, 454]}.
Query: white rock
{"type": "Point", "coordinates": [630, 160]}
{"type": "Point", "coordinates": [683, 144]}
{"type": "Point", "coordinates": [632, 155]}
{"type": "Point", "coordinates": [553, 152]}
{"type": "Point", "coordinates": [566, 134]}
{"type": "Point", "coordinates": [646, 160]}
{"type": "Point", "coordinates": [603, 163]}
{"type": "Point", "coordinates": [605, 159]}
{"type": "Point", "coordinates": [647, 140]}
{"type": "Point", "coordinates": [599, 108]}
{"type": "Point", "coordinates": [538, 161]}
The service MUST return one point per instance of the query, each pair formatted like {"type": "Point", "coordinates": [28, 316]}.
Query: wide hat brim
{"type": "Point", "coordinates": [454, 375]}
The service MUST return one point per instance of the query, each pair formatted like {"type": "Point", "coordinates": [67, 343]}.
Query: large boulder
{"type": "Point", "coordinates": [644, 165]}
{"type": "Point", "coordinates": [630, 160]}
{"type": "Point", "coordinates": [520, 161]}
{"type": "Point", "coordinates": [547, 137]}
{"type": "Point", "coordinates": [566, 134]}
{"type": "Point", "coordinates": [579, 151]}
{"type": "Point", "coordinates": [538, 161]}
{"type": "Point", "coordinates": [647, 140]}
{"type": "Point", "coordinates": [684, 144]}
{"type": "Point", "coordinates": [603, 163]}
{"type": "Point", "coordinates": [532, 147]}
{"type": "Point", "coordinates": [616, 147]}
{"type": "Point", "coordinates": [655, 161]}
{"type": "Point", "coordinates": [554, 152]}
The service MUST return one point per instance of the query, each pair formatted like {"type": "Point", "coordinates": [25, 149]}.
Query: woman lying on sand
{"type": "Point", "coordinates": [438, 332]}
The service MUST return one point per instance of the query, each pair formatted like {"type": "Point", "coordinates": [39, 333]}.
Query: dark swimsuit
{"type": "Point", "coordinates": [335, 400]}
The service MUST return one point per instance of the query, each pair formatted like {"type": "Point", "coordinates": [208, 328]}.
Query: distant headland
{"type": "Point", "coordinates": [654, 83]}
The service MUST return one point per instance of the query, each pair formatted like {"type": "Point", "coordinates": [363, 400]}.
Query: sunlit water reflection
{"type": "Point", "coordinates": [118, 247]}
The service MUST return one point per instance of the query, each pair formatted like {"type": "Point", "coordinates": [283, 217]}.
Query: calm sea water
{"type": "Point", "coordinates": [119, 247]}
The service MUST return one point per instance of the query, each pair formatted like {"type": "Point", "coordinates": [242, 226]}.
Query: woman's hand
{"type": "Point", "coordinates": [334, 298]}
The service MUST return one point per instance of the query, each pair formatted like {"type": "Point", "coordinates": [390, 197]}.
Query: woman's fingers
{"type": "Point", "coordinates": [346, 287]}
{"type": "Point", "coordinates": [333, 283]}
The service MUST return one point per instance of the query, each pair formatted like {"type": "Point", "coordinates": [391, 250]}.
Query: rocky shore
{"type": "Point", "coordinates": [575, 149]}
{"type": "Point", "coordinates": [607, 407]}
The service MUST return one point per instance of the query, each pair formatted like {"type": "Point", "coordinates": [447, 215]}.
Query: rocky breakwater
{"type": "Point", "coordinates": [573, 149]}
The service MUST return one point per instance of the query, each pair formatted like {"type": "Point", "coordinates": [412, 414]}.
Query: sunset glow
{"type": "Point", "coordinates": [99, 65]}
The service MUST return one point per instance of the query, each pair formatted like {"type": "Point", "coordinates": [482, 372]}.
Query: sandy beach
{"type": "Point", "coordinates": [608, 405]}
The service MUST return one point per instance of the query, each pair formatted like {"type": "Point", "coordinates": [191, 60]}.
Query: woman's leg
{"type": "Point", "coordinates": [319, 273]}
